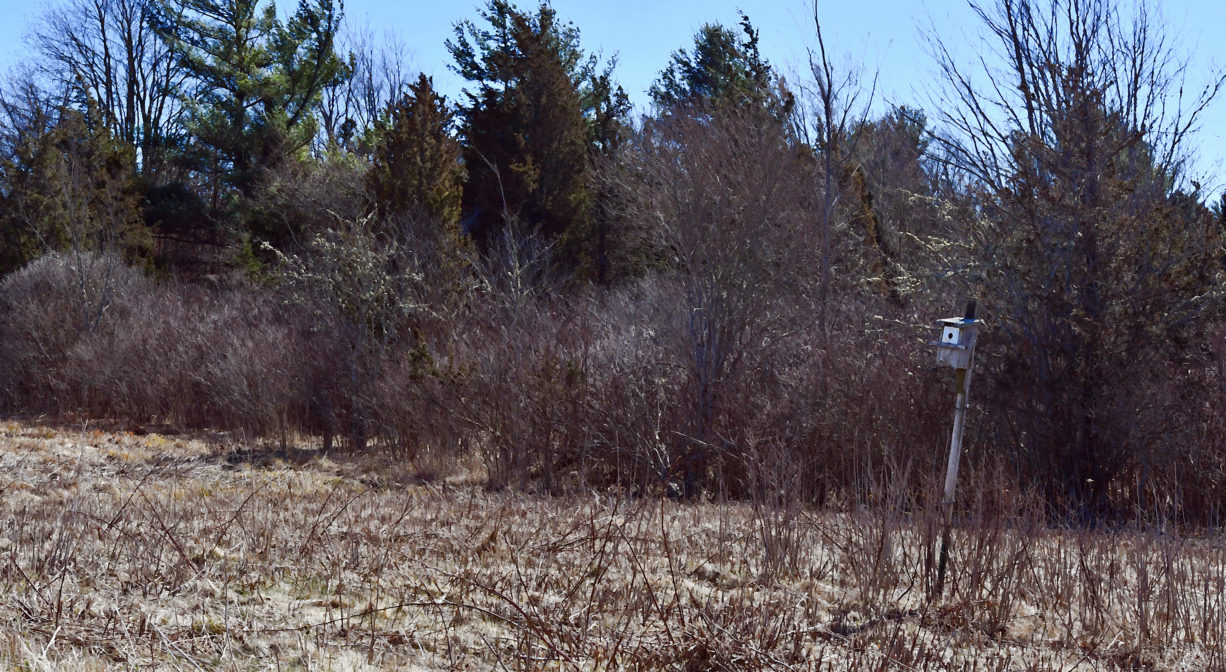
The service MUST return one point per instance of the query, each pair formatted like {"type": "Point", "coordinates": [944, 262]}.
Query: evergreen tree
{"type": "Point", "coordinates": [607, 129]}
{"type": "Point", "coordinates": [254, 81]}
{"type": "Point", "coordinates": [416, 163]}
{"type": "Point", "coordinates": [66, 183]}
{"type": "Point", "coordinates": [724, 68]}
{"type": "Point", "coordinates": [530, 126]}
{"type": "Point", "coordinates": [607, 110]}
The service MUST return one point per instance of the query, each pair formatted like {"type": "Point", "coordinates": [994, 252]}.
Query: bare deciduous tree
{"type": "Point", "coordinates": [379, 74]}
{"type": "Point", "coordinates": [837, 107]}
{"type": "Point", "coordinates": [721, 196]}
{"type": "Point", "coordinates": [1091, 254]}
{"type": "Point", "coordinates": [107, 51]}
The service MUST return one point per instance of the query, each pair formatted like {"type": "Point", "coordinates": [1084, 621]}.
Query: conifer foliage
{"type": "Point", "coordinates": [526, 127]}
{"type": "Point", "coordinates": [1086, 244]}
{"type": "Point", "coordinates": [254, 81]}
{"type": "Point", "coordinates": [65, 182]}
{"type": "Point", "coordinates": [724, 69]}
{"type": "Point", "coordinates": [416, 163]}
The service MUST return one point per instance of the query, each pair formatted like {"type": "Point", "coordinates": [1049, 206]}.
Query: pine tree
{"type": "Point", "coordinates": [254, 81]}
{"type": "Point", "coordinates": [724, 68]}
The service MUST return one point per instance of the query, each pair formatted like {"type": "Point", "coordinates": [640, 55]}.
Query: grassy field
{"type": "Point", "coordinates": [124, 551]}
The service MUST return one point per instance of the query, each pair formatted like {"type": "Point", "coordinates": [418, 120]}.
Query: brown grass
{"type": "Point", "coordinates": [139, 552]}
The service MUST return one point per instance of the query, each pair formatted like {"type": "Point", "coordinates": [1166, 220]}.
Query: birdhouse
{"type": "Point", "coordinates": [957, 344]}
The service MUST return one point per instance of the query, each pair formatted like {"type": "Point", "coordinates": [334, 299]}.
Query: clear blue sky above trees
{"type": "Point", "coordinates": [885, 37]}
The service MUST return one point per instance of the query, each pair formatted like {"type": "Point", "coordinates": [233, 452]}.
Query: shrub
{"type": "Point", "coordinates": [85, 333]}
{"type": "Point", "coordinates": [46, 308]}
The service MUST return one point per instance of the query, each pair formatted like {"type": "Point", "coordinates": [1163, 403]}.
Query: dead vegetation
{"type": "Point", "coordinates": [120, 551]}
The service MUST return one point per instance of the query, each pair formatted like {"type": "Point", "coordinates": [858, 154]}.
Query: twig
{"type": "Point", "coordinates": [368, 612]}
{"type": "Point", "coordinates": [165, 530]}
{"type": "Point", "coordinates": [174, 647]}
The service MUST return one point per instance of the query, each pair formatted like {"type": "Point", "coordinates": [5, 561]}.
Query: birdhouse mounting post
{"type": "Point", "coordinates": [956, 348]}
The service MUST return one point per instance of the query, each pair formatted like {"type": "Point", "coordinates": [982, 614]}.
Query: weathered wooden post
{"type": "Point", "coordinates": [956, 349]}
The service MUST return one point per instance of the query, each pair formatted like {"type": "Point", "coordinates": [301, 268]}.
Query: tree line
{"type": "Point", "coordinates": [727, 294]}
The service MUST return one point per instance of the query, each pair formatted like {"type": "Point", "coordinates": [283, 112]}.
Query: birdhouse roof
{"type": "Point", "coordinates": [959, 322]}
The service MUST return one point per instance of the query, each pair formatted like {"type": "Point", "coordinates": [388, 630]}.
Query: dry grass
{"type": "Point", "coordinates": [140, 552]}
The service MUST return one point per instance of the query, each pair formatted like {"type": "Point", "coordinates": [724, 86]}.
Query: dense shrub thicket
{"type": "Point", "coordinates": [556, 390]}
{"type": "Point", "coordinates": [729, 297]}
{"type": "Point", "coordinates": [549, 391]}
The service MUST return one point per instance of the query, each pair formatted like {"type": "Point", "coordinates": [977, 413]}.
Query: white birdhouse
{"type": "Point", "coordinates": [957, 344]}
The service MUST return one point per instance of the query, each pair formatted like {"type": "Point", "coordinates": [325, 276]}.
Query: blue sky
{"type": "Point", "coordinates": [881, 36]}
{"type": "Point", "coordinates": [644, 34]}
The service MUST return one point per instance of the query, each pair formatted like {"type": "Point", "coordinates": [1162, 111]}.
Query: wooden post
{"type": "Point", "coordinates": [962, 386]}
